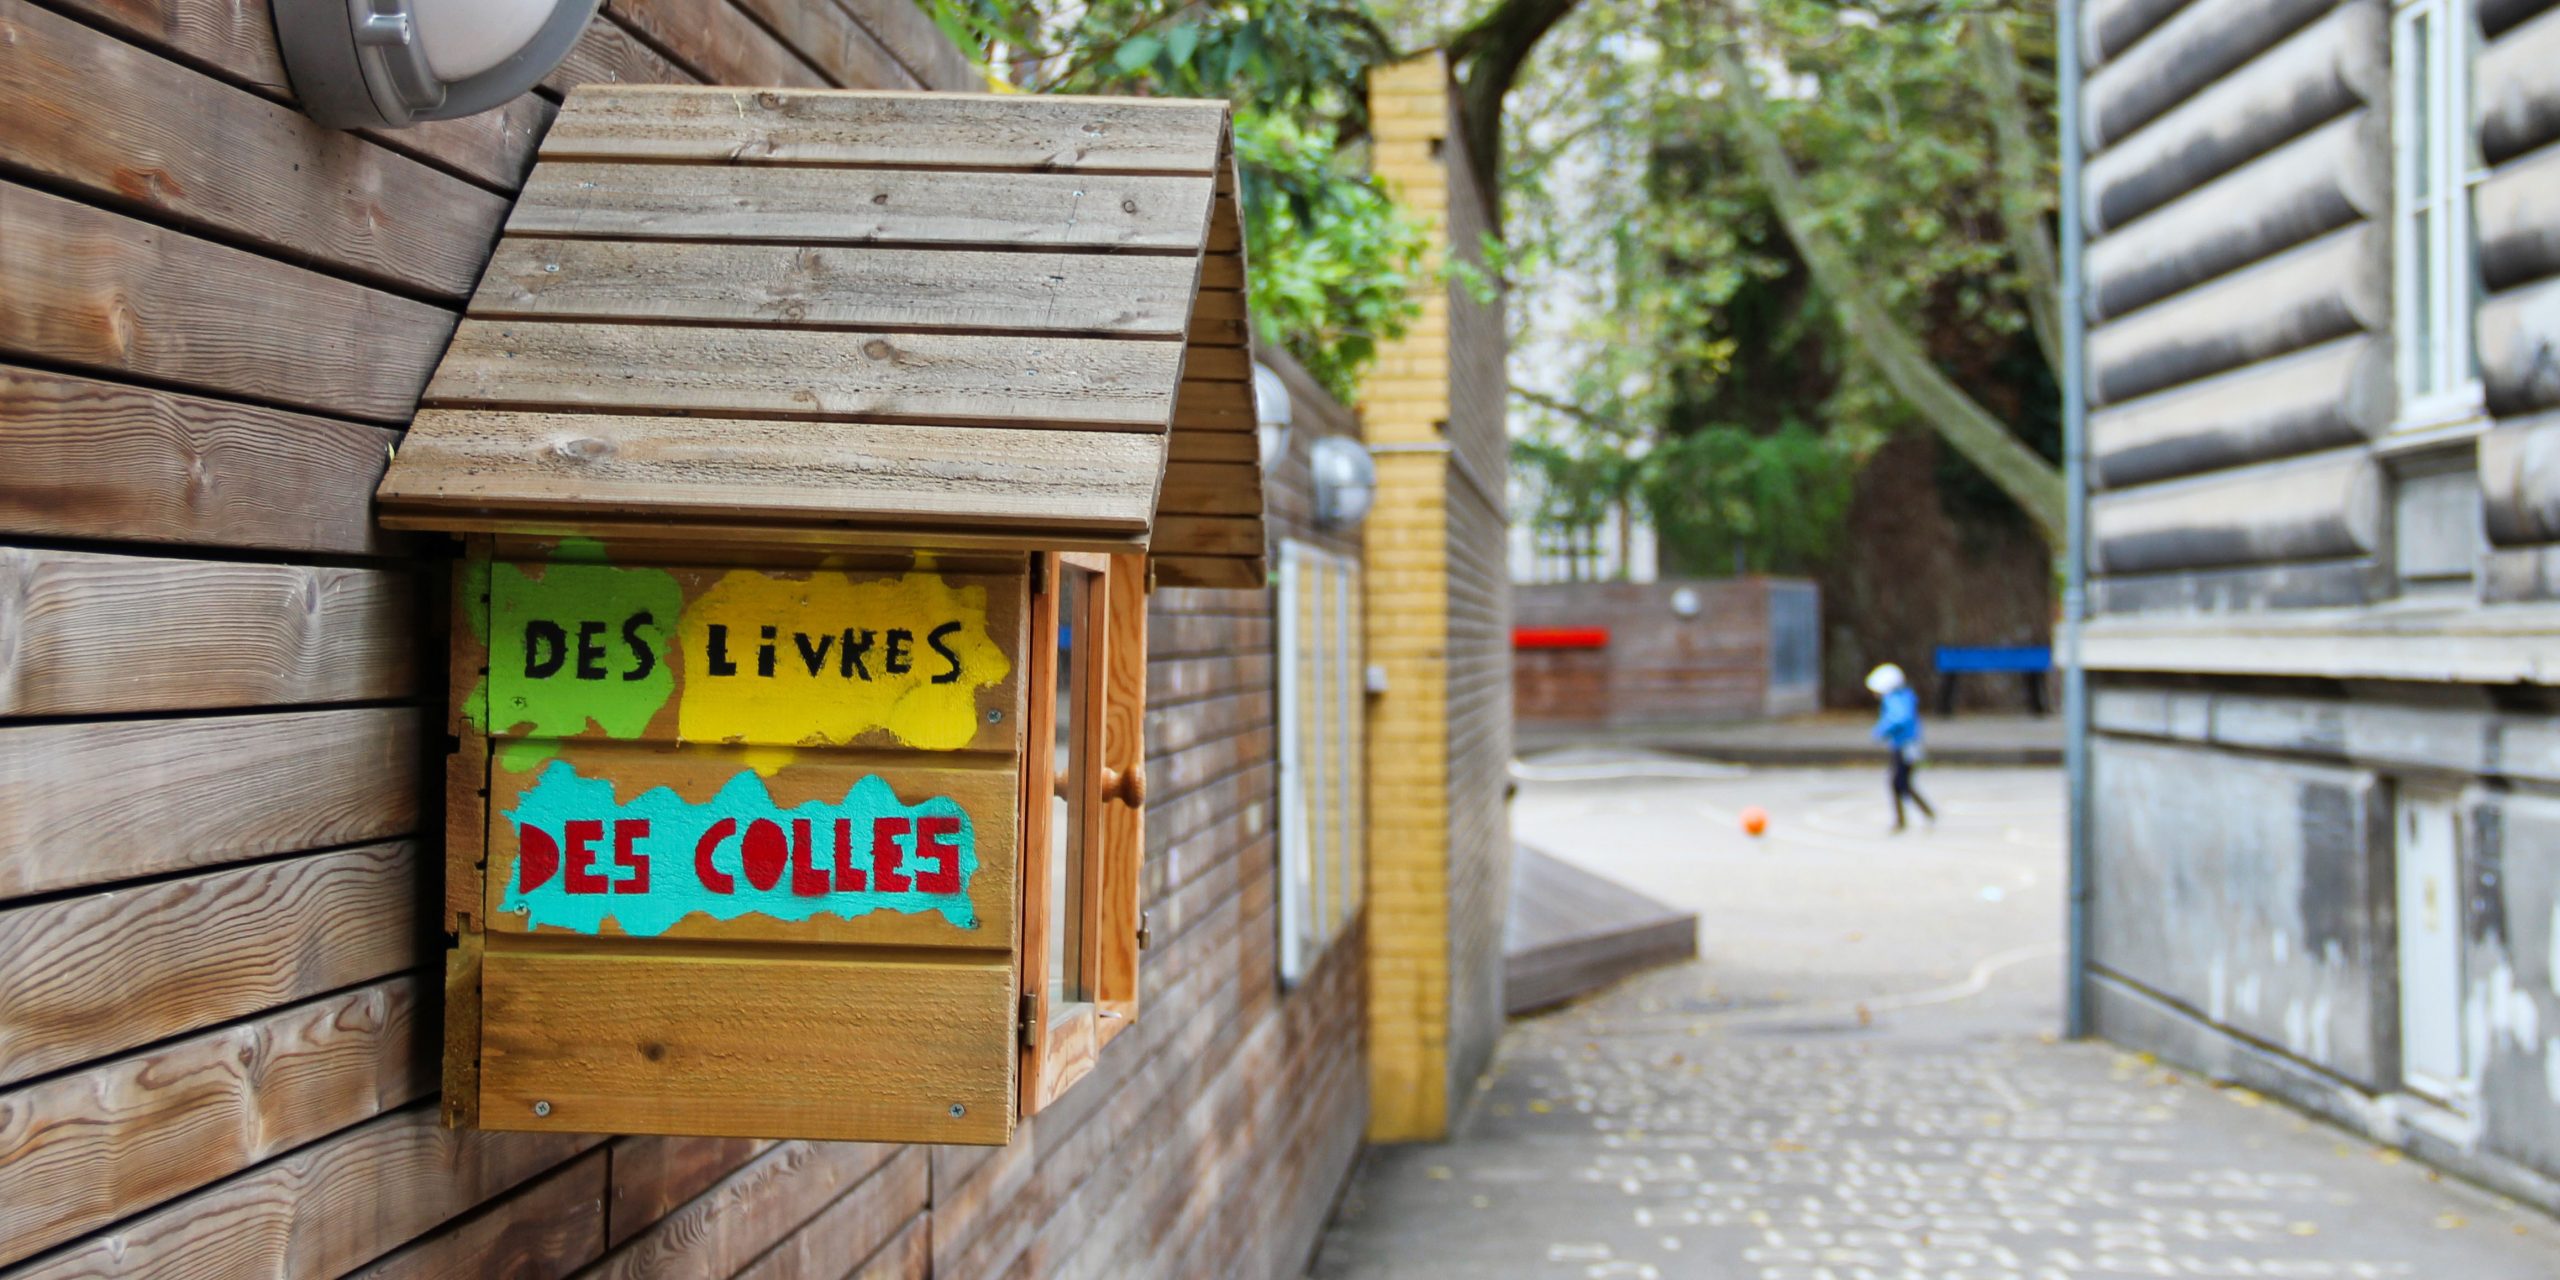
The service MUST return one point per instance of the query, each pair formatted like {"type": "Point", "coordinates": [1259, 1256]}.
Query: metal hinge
{"type": "Point", "coordinates": [1146, 931]}
{"type": "Point", "coordinates": [1030, 1020]}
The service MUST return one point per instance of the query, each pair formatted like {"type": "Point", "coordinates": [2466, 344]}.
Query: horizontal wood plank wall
{"type": "Point", "coordinates": [215, 911]}
{"type": "Point", "coordinates": [2517, 209]}
{"type": "Point", "coordinates": [218, 1050]}
{"type": "Point", "coordinates": [2239, 296]}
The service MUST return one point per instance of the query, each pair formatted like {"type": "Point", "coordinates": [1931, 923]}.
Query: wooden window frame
{"type": "Point", "coordinates": [1061, 1045]}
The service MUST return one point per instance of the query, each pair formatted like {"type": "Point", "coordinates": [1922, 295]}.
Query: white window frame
{"type": "Point", "coordinates": [2434, 152]}
{"type": "Point", "coordinates": [1322, 824]}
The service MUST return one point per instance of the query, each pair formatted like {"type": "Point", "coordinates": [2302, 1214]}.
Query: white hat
{"type": "Point", "coordinates": [1884, 680]}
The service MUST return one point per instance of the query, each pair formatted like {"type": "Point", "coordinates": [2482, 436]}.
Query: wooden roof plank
{"type": "Point", "coordinates": [753, 470]}
{"type": "Point", "coordinates": [918, 130]}
{"type": "Point", "coordinates": [680, 370]}
{"type": "Point", "coordinates": [864, 206]}
{"type": "Point", "coordinates": [1131, 294]}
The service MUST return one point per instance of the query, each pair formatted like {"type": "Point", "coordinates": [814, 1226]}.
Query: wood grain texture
{"type": "Point", "coordinates": [903, 28]}
{"type": "Point", "coordinates": [837, 285]}
{"type": "Point", "coordinates": [84, 804]}
{"type": "Point", "coordinates": [608, 53]}
{"type": "Point", "coordinates": [81, 1150]}
{"type": "Point", "coordinates": [102, 291]}
{"type": "Point", "coordinates": [325, 1210]}
{"type": "Point", "coordinates": [887, 376]}
{"type": "Point", "coordinates": [714, 40]}
{"type": "Point", "coordinates": [863, 206]}
{"type": "Point", "coordinates": [111, 461]}
{"type": "Point", "coordinates": [650, 1042]}
{"type": "Point", "coordinates": [1119, 887]}
{"type": "Point", "coordinates": [724, 1229]}
{"type": "Point", "coordinates": [180, 955]}
{"type": "Point", "coordinates": [543, 1231]}
{"type": "Point", "coordinates": [567, 465]}
{"type": "Point", "coordinates": [83, 633]}
{"type": "Point", "coordinates": [828, 38]}
{"type": "Point", "coordinates": [1212, 489]}
{"type": "Point", "coordinates": [236, 41]}
{"type": "Point", "coordinates": [907, 1256]}
{"type": "Point", "coordinates": [919, 131]}
{"type": "Point", "coordinates": [1225, 573]}
{"type": "Point", "coordinates": [654, 1176]}
{"type": "Point", "coordinates": [860, 1223]}
{"type": "Point", "coordinates": [121, 125]}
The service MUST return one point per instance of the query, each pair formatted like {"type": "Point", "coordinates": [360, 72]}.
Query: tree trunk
{"type": "Point", "coordinates": [1487, 58]}
{"type": "Point", "coordinates": [2030, 481]}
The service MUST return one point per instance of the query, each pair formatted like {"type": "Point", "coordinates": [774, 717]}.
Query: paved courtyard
{"type": "Point", "coordinates": [1857, 1080]}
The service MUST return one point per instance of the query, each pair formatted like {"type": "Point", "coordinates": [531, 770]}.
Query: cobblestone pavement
{"type": "Point", "coordinates": [1857, 1081]}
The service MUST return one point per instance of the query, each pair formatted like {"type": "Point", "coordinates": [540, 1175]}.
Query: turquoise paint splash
{"type": "Point", "coordinates": [675, 889]}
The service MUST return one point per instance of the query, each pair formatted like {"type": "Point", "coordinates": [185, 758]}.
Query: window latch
{"type": "Point", "coordinates": [1146, 933]}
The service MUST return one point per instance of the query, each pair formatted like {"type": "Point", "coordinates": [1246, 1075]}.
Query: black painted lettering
{"type": "Point", "coordinates": [643, 658]}
{"type": "Point", "coordinates": [591, 651]}
{"type": "Point", "coordinates": [856, 644]}
{"type": "Point", "coordinates": [895, 659]}
{"type": "Point", "coordinates": [716, 655]}
{"type": "Point", "coordinates": [546, 646]}
{"type": "Point", "coordinates": [812, 656]}
{"type": "Point", "coordinates": [934, 638]}
{"type": "Point", "coordinates": [764, 655]}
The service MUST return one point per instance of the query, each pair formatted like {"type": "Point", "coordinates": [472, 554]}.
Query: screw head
{"type": "Point", "coordinates": [542, 1108]}
{"type": "Point", "coordinates": [996, 716]}
{"type": "Point", "coordinates": [958, 1110]}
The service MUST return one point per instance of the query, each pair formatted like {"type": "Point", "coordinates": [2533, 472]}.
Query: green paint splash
{"type": "Point", "coordinates": [545, 707]}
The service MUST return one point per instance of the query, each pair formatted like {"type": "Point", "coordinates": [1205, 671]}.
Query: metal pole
{"type": "Point", "coordinates": [2075, 588]}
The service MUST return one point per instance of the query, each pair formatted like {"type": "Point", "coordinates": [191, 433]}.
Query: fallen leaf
{"type": "Point", "coordinates": [2450, 1221]}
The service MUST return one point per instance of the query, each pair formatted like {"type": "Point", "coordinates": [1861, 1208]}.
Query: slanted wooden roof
{"type": "Point", "coordinates": [932, 318]}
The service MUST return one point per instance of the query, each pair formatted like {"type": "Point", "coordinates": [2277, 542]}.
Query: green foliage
{"type": "Point", "coordinates": [1333, 255]}
{"type": "Point", "coordinates": [1711, 350]}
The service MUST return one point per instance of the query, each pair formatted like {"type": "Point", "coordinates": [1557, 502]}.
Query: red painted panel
{"type": "Point", "coordinates": [1559, 637]}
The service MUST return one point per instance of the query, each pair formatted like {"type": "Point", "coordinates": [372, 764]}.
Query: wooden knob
{"type": "Point", "coordinates": [1128, 788]}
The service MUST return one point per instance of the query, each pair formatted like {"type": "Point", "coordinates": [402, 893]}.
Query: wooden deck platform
{"type": "Point", "coordinates": [1570, 932]}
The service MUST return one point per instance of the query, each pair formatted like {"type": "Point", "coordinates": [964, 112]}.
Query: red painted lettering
{"type": "Point", "coordinates": [765, 851]}
{"type": "Point", "coordinates": [537, 857]}
{"type": "Point", "coordinates": [628, 832]}
{"type": "Point", "coordinates": [849, 878]}
{"type": "Point", "coordinates": [581, 835]}
{"type": "Point", "coordinates": [807, 879]}
{"type": "Point", "coordinates": [712, 877]}
{"type": "Point", "coordinates": [884, 854]}
{"type": "Point", "coordinates": [943, 876]}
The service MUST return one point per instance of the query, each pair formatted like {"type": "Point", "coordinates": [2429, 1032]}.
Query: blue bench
{"type": "Point", "coordinates": [2030, 662]}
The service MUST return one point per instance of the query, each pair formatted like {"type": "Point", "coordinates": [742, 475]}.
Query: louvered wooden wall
{"type": "Point", "coordinates": [218, 1033]}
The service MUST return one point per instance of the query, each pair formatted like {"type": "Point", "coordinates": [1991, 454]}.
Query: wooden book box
{"type": "Point", "coordinates": [813, 454]}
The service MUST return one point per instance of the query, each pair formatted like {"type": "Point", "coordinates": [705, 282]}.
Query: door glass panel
{"type": "Point", "coordinates": [1067, 801]}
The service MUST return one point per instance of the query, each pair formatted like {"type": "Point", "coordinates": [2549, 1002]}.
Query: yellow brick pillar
{"type": "Point", "coordinates": [1404, 410]}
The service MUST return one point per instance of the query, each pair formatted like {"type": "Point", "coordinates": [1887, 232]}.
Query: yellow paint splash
{"type": "Point", "coordinates": [813, 695]}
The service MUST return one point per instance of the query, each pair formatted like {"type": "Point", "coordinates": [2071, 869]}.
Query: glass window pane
{"type": "Point", "coordinates": [2422, 110]}
{"type": "Point", "coordinates": [2422, 311]}
{"type": "Point", "coordinates": [1067, 800]}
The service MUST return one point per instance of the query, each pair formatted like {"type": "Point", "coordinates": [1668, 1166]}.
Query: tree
{"type": "Point", "coordinates": [1334, 258]}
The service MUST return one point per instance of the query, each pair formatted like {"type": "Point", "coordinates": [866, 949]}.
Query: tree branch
{"type": "Point", "coordinates": [1487, 58]}
{"type": "Point", "coordinates": [1568, 409]}
{"type": "Point", "coordinates": [2021, 193]}
{"type": "Point", "coordinates": [2027, 478]}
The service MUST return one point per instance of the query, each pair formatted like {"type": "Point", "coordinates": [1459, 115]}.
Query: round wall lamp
{"type": "Point", "coordinates": [1271, 414]}
{"type": "Point", "coordinates": [1346, 481]}
{"type": "Point", "coordinates": [1685, 602]}
{"type": "Point", "coordinates": [388, 64]}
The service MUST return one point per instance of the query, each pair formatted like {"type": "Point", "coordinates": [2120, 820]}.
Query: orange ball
{"type": "Point", "coordinates": [1755, 820]}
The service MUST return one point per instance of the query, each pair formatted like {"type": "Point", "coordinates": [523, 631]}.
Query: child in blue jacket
{"type": "Point", "coordinates": [1898, 727]}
